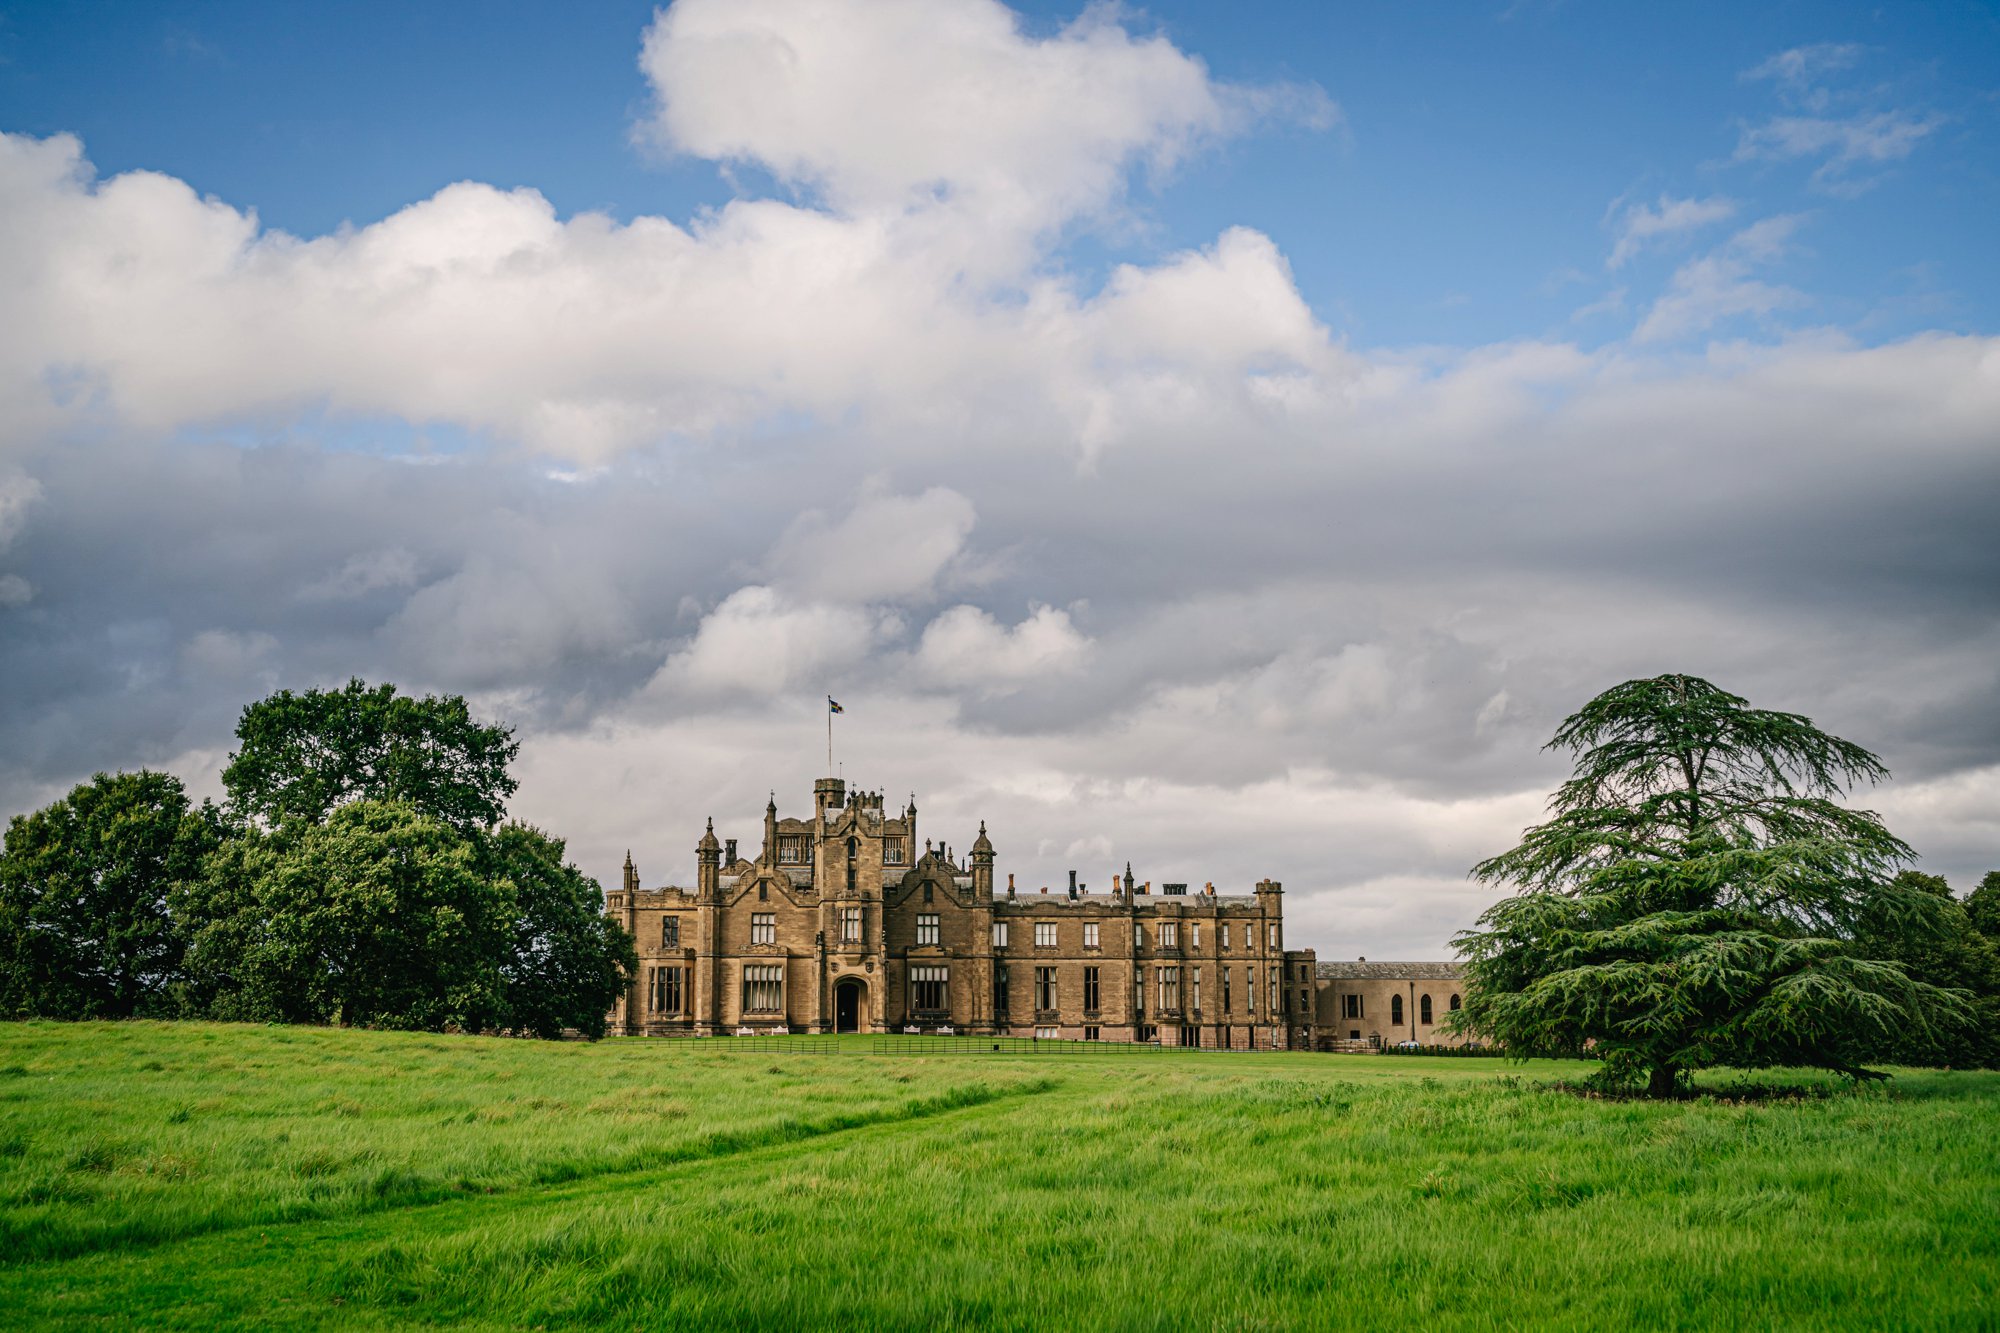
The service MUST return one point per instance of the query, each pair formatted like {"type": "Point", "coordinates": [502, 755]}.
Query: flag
{"type": "Point", "coordinates": [833, 707]}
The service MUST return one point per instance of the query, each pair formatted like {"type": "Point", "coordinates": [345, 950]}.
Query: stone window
{"type": "Point", "coordinates": [850, 925]}
{"type": "Point", "coordinates": [1048, 1034]}
{"type": "Point", "coordinates": [1170, 934]}
{"type": "Point", "coordinates": [1277, 995]}
{"type": "Point", "coordinates": [763, 927]}
{"type": "Point", "coordinates": [1045, 988]}
{"type": "Point", "coordinates": [1194, 990]}
{"type": "Point", "coordinates": [1250, 991]}
{"type": "Point", "coordinates": [1225, 988]}
{"type": "Point", "coordinates": [999, 934]}
{"type": "Point", "coordinates": [1453, 1006]}
{"type": "Point", "coordinates": [1350, 1007]}
{"type": "Point", "coordinates": [1138, 935]}
{"type": "Point", "coordinates": [1190, 1035]}
{"type": "Point", "coordinates": [1090, 1034]}
{"type": "Point", "coordinates": [892, 851]}
{"type": "Point", "coordinates": [669, 990]}
{"type": "Point", "coordinates": [1090, 990]}
{"type": "Point", "coordinates": [763, 989]}
{"type": "Point", "coordinates": [1090, 934]}
{"type": "Point", "coordinates": [1274, 937]}
{"type": "Point", "coordinates": [1224, 928]}
{"type": "Point", "coordinates": [1194, 934]}
{"type": "Point", "coordinates": [1045, 934]}
{"type": "Point", "coordinates": [1424, 1009]}
{"type": "Point", "coordinates": [927, 927]}
{"type": "Point", "coordinates": [1170, 989]}
{"type": "Point", "coordinates": [927, 989]}
{"type": "Point", "coordinates": [792, 848]}
{"type": "Point", "coordinates": [670, 932]}
{"type": "Point", "coordinates": [1395, 1011]}
{"type": "Point", "coordinates": [1000, 988]}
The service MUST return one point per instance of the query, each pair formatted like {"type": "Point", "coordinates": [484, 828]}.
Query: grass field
{"type": "Point", "coordinates": [200, 1176]}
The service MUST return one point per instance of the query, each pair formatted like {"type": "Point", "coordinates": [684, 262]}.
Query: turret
{"type": "Point", "coordinates": [631, 873]}
{"type": "Point", "coordinates": [982, 866]}
{"type": "Point", "coordinates": [1128, 879]}
{"type": "Point", "coordinates": [708, 856]}
{"type": "Point", "coordinates": [1270, 895]}
{"type": "Point", "coordinates": [910, 822]}
{"type": "Point", "coordinates": [829, 794]}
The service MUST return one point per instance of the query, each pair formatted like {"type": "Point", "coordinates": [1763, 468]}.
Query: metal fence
{"type": "Point", "coordinates": [891, 1043]}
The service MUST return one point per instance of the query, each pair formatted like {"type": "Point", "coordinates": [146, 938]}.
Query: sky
{"type": "Point", "coordinates": [1224, 438]}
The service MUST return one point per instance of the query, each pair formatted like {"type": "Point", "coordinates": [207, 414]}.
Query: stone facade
{"type": "Point", "coordinates": [1385, 1004]}
{"type": "Point", "coordinates": [840, 923]}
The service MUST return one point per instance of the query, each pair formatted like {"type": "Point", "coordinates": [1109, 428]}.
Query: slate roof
{"type": "Point", "coordinates": [1390, 971]}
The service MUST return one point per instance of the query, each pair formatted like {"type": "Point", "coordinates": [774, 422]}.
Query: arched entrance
{"type": "Point", "coordinates": [847, 996]}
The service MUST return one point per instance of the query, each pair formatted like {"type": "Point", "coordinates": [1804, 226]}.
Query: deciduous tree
{"type": "Point", "coordinates": [302, 756]}
{"type": "Point", "coordinates": [380, 917]}
{"type": "Point", "coordinates": [84, 889]}
{"type": "Point", "coordinates": [566, 961]}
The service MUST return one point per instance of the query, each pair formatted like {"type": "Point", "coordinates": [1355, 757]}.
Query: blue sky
{"type": "Point", "coordinates": [1224, 437]}
{"type": "Point", "coordinates": [1463, 199]}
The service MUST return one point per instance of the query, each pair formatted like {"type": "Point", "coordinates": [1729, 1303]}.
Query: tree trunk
{"type": "Point", "coordinates": [1666, 1081]}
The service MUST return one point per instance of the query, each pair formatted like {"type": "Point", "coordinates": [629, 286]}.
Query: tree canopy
{"type": "Point", "coordinates": [85, 881]}
{"type": "Point", "coordinates": [564, 960]}
{"type": "Point", "coordinates": [356, 876]}
{"type": "Point", "coordinates": [302, 756]}
{"type": "Point", "coordinates": [1695, 896]}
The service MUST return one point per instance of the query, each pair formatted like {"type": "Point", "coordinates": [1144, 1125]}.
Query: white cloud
{"type": "Point", "coordinates": [1719, 286]}
{"type": "Point", "coordinates": [1796, 71]}
{"type": "Point", "coordinates": [15, 591]}
{"type": "Point", "coordinates": [1639, 224]}
{"type": "Point", "coordinates": [18, 493]}
{"type": "Point", "coordinates": [967, 647]}
{"type": "Point", "coordinates": [759, 643]}
{"type": "Point", "coordinates": [137, 302]}
{"type": "Point", "coordinates": [895, 106]}
{"type": "Point", "coordinates": [1845, 144]}
{"type": "Point", "coordinates": [887, 548]}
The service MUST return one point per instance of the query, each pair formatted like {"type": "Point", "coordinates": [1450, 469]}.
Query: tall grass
{"type": "Point", "coordinates": [643, 1184]}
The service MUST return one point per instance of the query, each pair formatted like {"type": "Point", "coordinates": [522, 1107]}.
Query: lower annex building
{"type": "Point", "coordinates": [840, 923]}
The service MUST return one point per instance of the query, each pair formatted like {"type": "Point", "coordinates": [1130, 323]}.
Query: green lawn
{"type": "Point", "coordinates": [202, 1175]}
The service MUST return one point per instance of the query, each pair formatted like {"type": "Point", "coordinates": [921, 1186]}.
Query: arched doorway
{"type": "Point", "coordinates": [847, 997]}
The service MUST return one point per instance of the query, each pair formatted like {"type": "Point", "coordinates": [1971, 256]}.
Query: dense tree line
{"type": "Point", "coordinates": [357, 872]}
{"type": "Point", "coordinates": [1701, 897]}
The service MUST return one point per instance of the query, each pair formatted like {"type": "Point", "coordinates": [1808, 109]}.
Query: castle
{"type": "Point", "coordinates": [840, 924]}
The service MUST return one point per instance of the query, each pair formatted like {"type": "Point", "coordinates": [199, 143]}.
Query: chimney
{"type": "Point", "coordinates": [729, 852]}
{"type": "Point", "coordinates": [1072, 884]}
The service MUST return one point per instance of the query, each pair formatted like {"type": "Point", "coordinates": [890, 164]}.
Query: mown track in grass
{"type": "Point", "coordinates": [118, 1135]}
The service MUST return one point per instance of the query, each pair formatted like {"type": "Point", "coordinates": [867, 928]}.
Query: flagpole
{"type": "Point", "coordinates": [829, 738]}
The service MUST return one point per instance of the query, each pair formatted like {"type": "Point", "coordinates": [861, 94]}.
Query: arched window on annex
{"type": "Point", "coordinates": [1454, 1004]}
{"type": "Point", "coordinates": [1395, 1011]}
{"type": "Point", "coordinates": [1424, 1009]}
